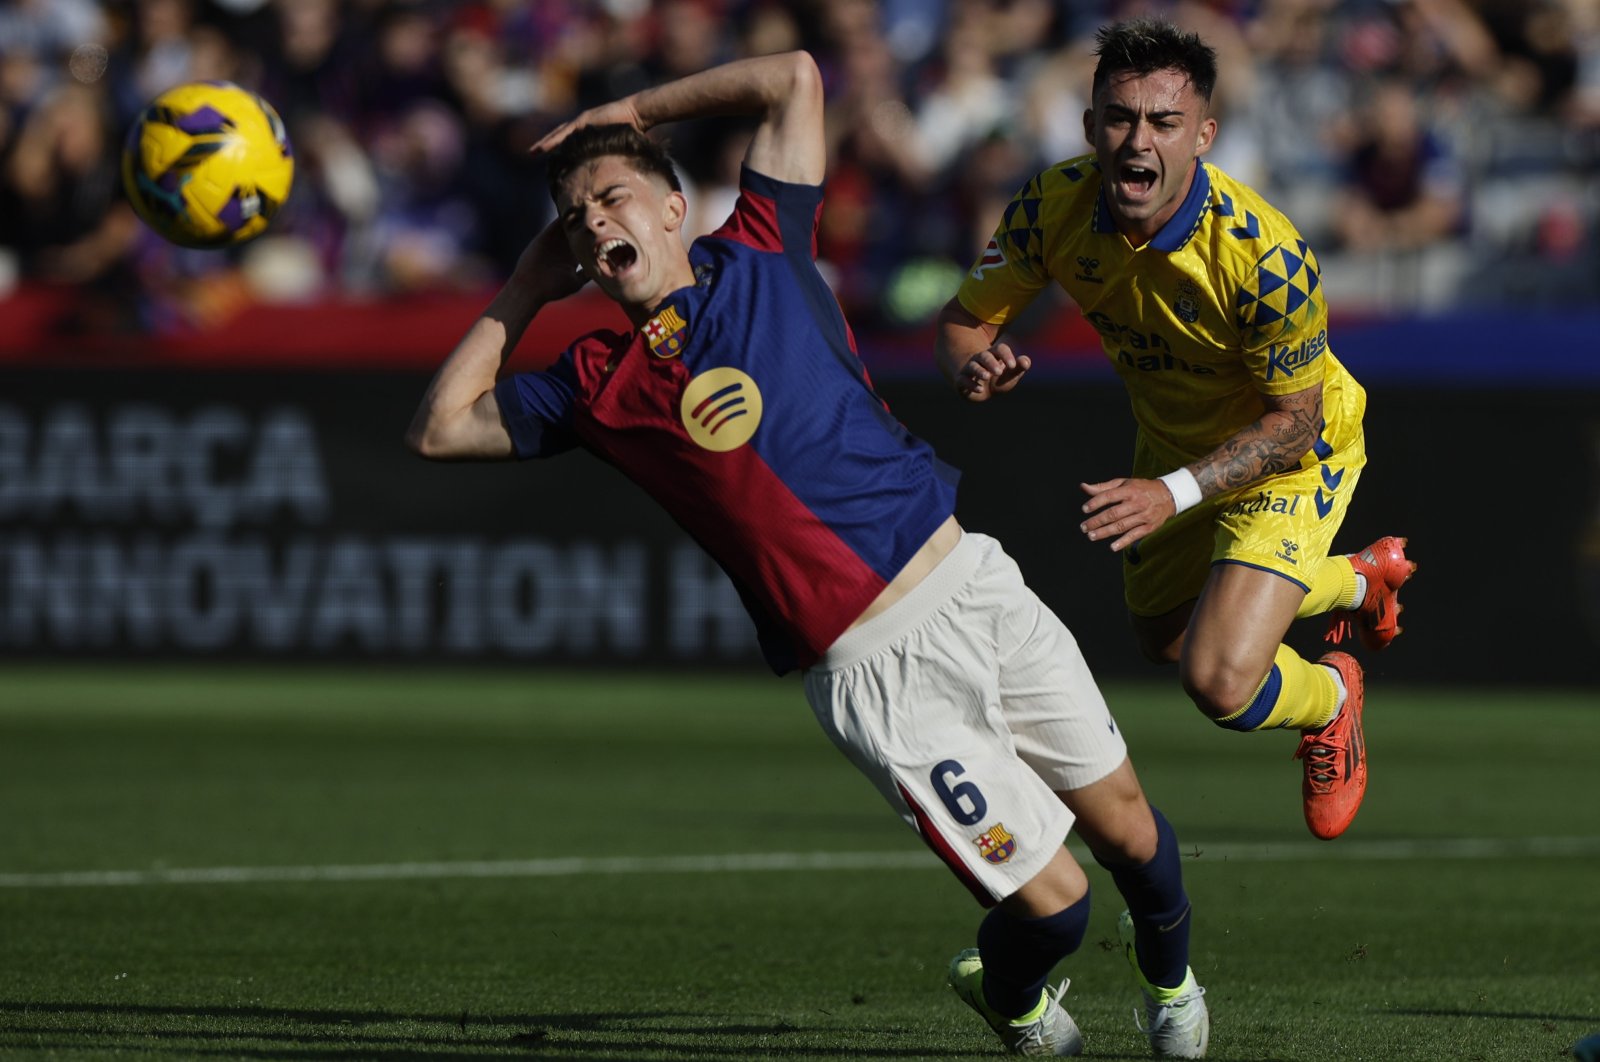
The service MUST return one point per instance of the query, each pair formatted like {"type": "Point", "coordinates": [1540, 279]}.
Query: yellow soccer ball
{"type": "Point", "coordinates": [207, 164]}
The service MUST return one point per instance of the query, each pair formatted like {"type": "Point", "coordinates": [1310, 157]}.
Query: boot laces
{"type": "Point", "coordinates": [1039, 1033]}
{"type": "Point", "coordinates": [1322, 762]}
{"type": "Point", "coordinates": [1162, 1014]}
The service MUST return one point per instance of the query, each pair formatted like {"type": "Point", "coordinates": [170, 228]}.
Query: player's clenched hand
{"type": "Point", "coordinates": [620, 112]}
{"type": "Point", "coordinates": [1125, 510]}
{"type": "Point", "coordinates": [546, 269]}
{"type": "Point", "coordinates": [991, 372]}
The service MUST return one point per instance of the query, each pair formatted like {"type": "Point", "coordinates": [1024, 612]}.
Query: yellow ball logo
{"type": "Point", "coordinates": [721, 409]}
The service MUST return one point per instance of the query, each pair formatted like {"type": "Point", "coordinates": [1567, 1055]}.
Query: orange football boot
{"type": "Point", "coordinates": [1336, 758]}
{"type": "Point", "coordinates": [1377, 618]}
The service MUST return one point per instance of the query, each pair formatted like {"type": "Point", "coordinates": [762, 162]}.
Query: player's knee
{"type": "Point", "coordinates": [1119, 830]}
{"type": "Point", "coordinates": [1130, 840]}
{"type": "Point", "coordinates": [1159, 654]}
{"type": "Point", "coordinates": [1060, 884]}
{"type": "Point", "coordinates": [1159, 647]}
{"type": "Point", "coordinates": [1217, 690]}
{"type": "Point", "coordinates": [1160, 638]}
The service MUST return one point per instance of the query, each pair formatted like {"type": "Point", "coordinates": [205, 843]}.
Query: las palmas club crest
{"type": "Point", "coordinates": [996, 845]}
{"type": "Point", "coordinates": [664, 332]}
{"type": "Point", "coordinates": [992, 256]}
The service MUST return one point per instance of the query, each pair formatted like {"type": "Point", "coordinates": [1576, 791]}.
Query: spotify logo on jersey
{"type": "Point", "coordinates": [720, 409]}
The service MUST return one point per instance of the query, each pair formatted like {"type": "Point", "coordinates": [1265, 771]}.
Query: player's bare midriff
{"type": "Point", "coordinates": [939, 544]}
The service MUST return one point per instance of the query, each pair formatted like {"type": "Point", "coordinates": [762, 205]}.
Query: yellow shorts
{"type": "Point", "coordinates": [1283, 525]}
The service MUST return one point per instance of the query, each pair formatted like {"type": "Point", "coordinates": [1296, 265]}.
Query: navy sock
{"type": "Point", "coordinates": [1160, 908]}
{"type": "Point", "coordinates": [1019, 953]}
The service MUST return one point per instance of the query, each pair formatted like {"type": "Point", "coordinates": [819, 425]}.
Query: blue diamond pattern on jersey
{"type": "Point", "coordinates": [1280, 289]}
{"type": "Point", "coordinates": [1021, 226]}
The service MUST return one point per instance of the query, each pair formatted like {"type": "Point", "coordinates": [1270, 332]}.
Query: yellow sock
{"type": "Point", "coordinates": [1333, 586]}
{"type": "Point", "coordinates": [1036, 1013]}
{"type": "Point", "coordinates": [1296, 694]}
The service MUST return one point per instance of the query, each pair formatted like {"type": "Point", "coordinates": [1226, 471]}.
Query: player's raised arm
{"type": "Point", "coordinates": [785, 90]}
{"type": "Point", "coordinates": [459, 418]}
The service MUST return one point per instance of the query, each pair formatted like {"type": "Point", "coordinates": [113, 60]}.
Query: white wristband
{"type": "Point", "coordinates": [1184, 487]}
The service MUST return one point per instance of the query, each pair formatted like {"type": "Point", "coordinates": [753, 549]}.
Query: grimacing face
{"type": "Point", "coordinates": [623, 227]}
{"type": "Point", "coordinates": [1147, 131]}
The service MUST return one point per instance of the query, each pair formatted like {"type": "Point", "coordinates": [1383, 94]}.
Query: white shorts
{"type": "Point", "coordinates": [968, 704]}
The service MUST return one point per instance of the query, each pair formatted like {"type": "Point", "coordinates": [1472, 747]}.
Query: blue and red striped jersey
{"type": "Point", "coordinates": [742, 408]}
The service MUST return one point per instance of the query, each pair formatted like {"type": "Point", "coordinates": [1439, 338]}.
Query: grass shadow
{"type": "Point", "coordinates": [215, 1031]}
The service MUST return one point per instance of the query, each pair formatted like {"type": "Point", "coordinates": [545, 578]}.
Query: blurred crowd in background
{"type": "Point", "coordinates": [1436, 153]}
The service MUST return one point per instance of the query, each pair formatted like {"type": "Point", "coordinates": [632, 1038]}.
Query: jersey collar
{"type": "Point", "coordinates": [1180, 228]}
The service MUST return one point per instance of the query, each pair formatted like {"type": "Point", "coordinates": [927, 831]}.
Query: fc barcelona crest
{"type": "Point", "coordinates": [996, 845]}
{"type": "Point", "coordinates": [664, 332]}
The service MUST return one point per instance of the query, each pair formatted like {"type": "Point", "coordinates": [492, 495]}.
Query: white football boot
{"type": "Point", "coordinates": [1176, 1020]}
{"type": "Point", "coordinates": [1049, 1031]}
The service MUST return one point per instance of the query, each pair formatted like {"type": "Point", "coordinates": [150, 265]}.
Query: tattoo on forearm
{"type": "Point", "coordinates": [1272, 444]}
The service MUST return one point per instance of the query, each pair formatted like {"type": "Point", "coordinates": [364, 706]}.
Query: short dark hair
{"type": "Point", "coordinates": [597, 141]}
{"type": "Point", "coordinates": [1144, 45]}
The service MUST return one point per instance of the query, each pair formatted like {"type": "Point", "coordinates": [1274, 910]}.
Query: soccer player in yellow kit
{"type": "Point", "coordinates": [1249, 445]}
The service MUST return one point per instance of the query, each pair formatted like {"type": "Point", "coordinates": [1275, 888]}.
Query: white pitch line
{"type": "Point", "coordinates": [1464, 848]}
{"type": "Point", "coordinates": [1400, 848]}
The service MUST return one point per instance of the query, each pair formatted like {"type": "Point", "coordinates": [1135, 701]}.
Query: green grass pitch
{"type": "Point", "coordinates": [341, 864]}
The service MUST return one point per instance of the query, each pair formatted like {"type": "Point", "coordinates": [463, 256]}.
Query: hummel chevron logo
{"type": "Point", "coordinates": [1324, 503]}
{"type": "Point", "coordinates": [1225, 209]}
{"type": "Point", "coordinates": [1332, 479]}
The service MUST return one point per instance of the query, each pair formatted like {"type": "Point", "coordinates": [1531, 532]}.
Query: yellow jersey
{"type": "Point", "coordinates": [1223, 305]}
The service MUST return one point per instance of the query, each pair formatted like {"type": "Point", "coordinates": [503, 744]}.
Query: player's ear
{"type": "Point", "coordinates": [1088, 125]}
{"type": "Point", "coordinates": [1208, 133]}
{"type": "Point", "coordinates": [674, 209]}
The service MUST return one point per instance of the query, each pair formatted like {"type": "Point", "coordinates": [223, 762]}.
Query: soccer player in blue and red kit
{"type": "Point", "coordinates": [738, 402]}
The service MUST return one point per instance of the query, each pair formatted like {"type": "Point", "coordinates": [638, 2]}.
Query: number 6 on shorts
{"type": "Point", "coordinates": [964, 799]}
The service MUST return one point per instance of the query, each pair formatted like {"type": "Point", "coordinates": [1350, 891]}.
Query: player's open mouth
{"type": "Point", "coordinates": [615, 255]}
{"type": "Point", "coordinates": [1136, 181]}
